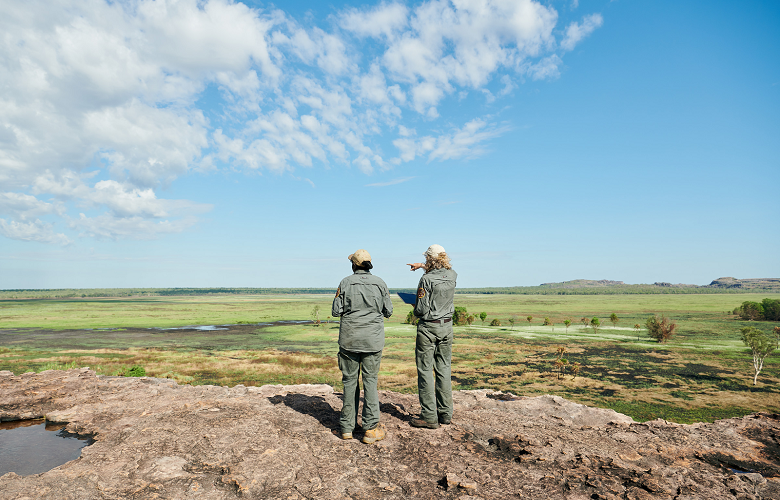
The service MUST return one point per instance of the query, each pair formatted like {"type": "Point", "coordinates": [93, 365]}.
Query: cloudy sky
{"type": "Point", "coordinates": [219, 143]}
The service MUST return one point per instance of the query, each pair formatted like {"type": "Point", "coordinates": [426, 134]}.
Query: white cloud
{"type": "Point", "coordinates": [107, 226]}
{"type": "Point", "coordinates": [577, 32]}
{"type": "Point", "coordinates": [24, 206]}
{"type": "Point", "coordinates": [32, 231]}
{"type": "Point", "coordinates": [383, 20]}
{"type": "Point", "coordinates": [106, 103]}
{"type": "Point", "coordinates": [466, 142]}
{"type": "Point", "coordinates": [390, 183]}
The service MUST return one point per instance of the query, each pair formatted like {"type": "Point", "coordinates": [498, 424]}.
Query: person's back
{"type": "Point", "coordinates": [362, 302]}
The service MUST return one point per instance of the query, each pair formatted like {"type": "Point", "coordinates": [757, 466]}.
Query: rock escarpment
{"type": "Point", "coordinates": [156, 439]}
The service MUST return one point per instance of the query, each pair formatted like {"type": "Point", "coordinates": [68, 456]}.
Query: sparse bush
{"type": "Point", "coordinates": [528, 319]}
{"type": "Point", "coordinates": [614, 319]}
{"type": "Point", "coordinates": [660, 329]}
{"type": "Point", "coordinates": [546, 322]}
{"type": "Point", "coordinates": [760, 345]}
{"type": "Point", "coordinates": [483, 317]}
{"type": "Point", "coordinates": [315, 315]}
{"type": "Point", "coordinates": [636, 329]}
{"type": "Point", "coordinates": [575, 369]}
{"type": "Point", "coordinates": [495, 322]}
{"type": "Point", "coordinates": [511, 322]}
{"type": "Point", "coordinates": [136, 371]}
{"type": "Point", "coordinates": [584, 321]}
{"type": "Point", "coordinates": [470, 319]}
{"type": "Point", "coordinates": [459, 317]}
{"type": "Point", "coordinates": [567, 322]}
{"type": "Point", "coordinates": [411, 319]}
{"type": "Point", "coordinates": [560, 362]}
{"type": "Point", "coordinates": [750, 311]}
{"type": "Point", "coordinates": [595, 323]}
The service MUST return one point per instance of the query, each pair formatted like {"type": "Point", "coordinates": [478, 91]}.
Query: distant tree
{"type": "Point", "coordinates": [595, 324]}
{"type": "Point", "coordinates": [560, 362]}
{"type": "Point", "coordinates": [495, 322]}
{"type": "Point", "coordinates": [528, 319]}
{"type": "Point", "coordinates": [636, 329]}
{"type": "Point", "coordinates": [547, 321]}
{"type": "Point", "coordinates": [614, 319]}
{"type": "Point", "coordinates": [760, 345]}
{"type": "Point", "coordinates": [460, 315]}
{"type": "Point", "coordinates": [750, 311]}
{"type": "Point", "coordinates": [776, 331]}
{"type": "Point", "coordinates": [584, 321]}
{"type": "Point", "coordinates": [483, 317]}
{"type": "Point", "coordinates": [511, 320]}
{"type": "Point", "coordinates": [567, 322]}
{"type": "Point", "coordinates": [470, 319]}
{"type": "Point", "coordinates": [660, 329]}
{"type": "Point", "coordinates": [315, 314]}
{"type": "Point", "coordinates": [771, 309]}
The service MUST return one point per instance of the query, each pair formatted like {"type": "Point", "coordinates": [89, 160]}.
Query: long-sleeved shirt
{"type": "Point", "coordinates": [361, 302]}
{"type": "Point", "coordinates": [436, 295]}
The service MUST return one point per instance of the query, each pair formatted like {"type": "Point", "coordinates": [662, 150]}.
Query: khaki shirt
{"type": "Point", "coordinates": [436, 295]}
{"type": "Point", "coordinates": [361, 301]}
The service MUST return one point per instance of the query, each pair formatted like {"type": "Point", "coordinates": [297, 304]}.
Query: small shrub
{"type": "Point", "coordinates": [483, 316]}
{"type": "Point", "coordinates": [495, 322]}
{"type": "Point", "coordinates": [614, 319]}
{"type": "Point", "coordinates": [595, 323]}
{"type": "Point", "coordinates": [660, 329]}
{"type": "Point", "coordinates": [411, 319]}
{"type": "Point", "coordinates": [136, 371]}
{"type": "Point", "coordinates": [547, 322]}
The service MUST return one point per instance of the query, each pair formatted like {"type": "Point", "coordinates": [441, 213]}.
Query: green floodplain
{"type": "Point", "coordinates": [703, 373]}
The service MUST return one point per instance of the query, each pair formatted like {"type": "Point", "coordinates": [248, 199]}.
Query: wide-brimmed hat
{"type": "Point", "coordinates": [434, 251]}
{"type": "Point", "coordinates": [360, 258]}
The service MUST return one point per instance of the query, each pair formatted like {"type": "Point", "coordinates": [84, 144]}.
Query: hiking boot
{"type": "Point", "coordinates": [346, 435]}
{"type": "Point", "coordinates": [418, 422]}
{"type": "Point", "coordinates": [445, 420]}
{"type": "Point", "coordinates": [378, 433]}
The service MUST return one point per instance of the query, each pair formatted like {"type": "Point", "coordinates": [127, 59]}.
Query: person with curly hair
{"type": "Point", "coordinates": [433, 350]}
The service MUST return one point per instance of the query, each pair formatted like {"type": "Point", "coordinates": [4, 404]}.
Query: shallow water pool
{"type": "Point", "coordinates": [35, 446]}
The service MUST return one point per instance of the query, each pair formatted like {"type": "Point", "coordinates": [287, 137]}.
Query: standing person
{"type": "Point", "coordinates": [433, 350]}
{"type": "Point", "coordinates": [361, 302]}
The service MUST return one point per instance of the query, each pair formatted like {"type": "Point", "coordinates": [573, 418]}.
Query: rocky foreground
{"type": "Point", "coordinates": [156, 439]}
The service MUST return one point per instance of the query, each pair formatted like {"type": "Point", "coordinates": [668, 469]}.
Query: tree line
{"type": "Point", "coordinates": [766, 310]}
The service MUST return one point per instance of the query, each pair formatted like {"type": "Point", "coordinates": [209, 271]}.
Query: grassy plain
{"type": "Point", "coordinates": [702, 374]}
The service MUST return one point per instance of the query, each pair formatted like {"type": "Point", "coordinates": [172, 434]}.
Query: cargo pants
{"type": "Point", "coordinates": [433, 355]}
{"type": "Point", "coordinates": [352, 364]}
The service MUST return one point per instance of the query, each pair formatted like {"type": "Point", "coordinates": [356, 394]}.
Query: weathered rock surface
{"type": "Point", "coordinates": [156, 439]}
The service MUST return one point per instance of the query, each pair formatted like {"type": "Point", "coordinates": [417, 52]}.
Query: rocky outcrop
{"type": "Point", "coordinates": [156, 439]}
{"type": "Point", "coordinates": [758, 284]}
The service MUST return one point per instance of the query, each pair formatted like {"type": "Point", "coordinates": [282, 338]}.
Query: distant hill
{"type": "Point", "coordinates": [573, 287]}
{"type": "Point", "coordinates": [612, 287]}
{"type": "Point", "coordinates": [748, 284]}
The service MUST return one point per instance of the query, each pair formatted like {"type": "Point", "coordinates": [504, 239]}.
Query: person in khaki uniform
{"type": "Point", "coordinates": [433, 350]}
{"type": "Point", "coordinates": [362, 302]}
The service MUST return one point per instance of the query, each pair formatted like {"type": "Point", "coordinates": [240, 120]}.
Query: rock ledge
{"type": "Point", "coordinates": [156, 439]}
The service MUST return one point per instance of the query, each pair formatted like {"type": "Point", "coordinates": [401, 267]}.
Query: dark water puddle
{"type": "Point", "coordinates": [212, 328]}
{"type": "Point", "coordinates": [35, 446]}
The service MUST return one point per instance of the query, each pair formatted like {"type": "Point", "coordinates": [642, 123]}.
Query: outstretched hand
{"type": "Point", "coordinates": [415, 266]}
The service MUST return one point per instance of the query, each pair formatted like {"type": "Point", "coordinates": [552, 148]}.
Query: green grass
{"type": "Point", "coordinates": [702, 374]}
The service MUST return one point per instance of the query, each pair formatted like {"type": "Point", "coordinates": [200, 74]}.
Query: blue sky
{"type": "Point", "coordinates": [215, 143]}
